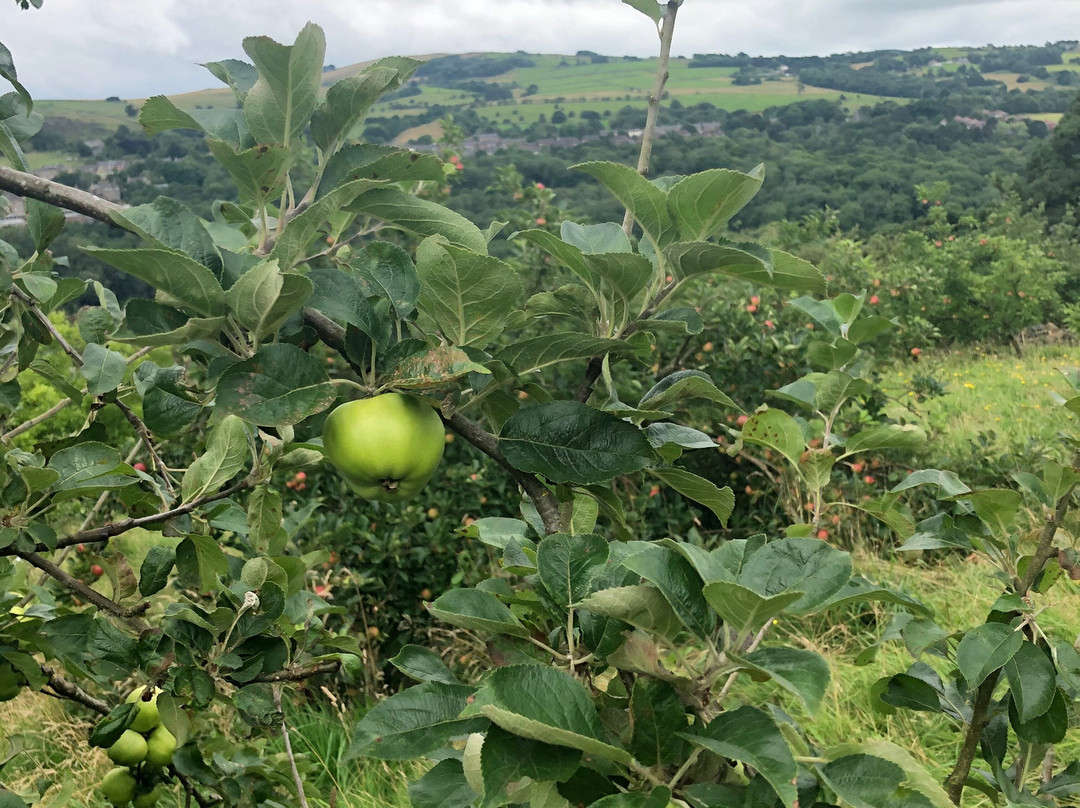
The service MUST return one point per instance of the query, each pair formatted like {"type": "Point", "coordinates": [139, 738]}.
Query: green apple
{"type": "Point", "coordinates": [118, 786]}
{"type": "Point", "coordinates": [147, 718]}
{"type": "Point", "coordinates": [129, 749]}
{"type": "Point", "coordinates": [160, 745]}
{"type": "Point", "coordinates": [147, 798]}
{"type": "Point", "coordinates": [386, 447]}
{"type": "Point", "coordinates": [10, 682]}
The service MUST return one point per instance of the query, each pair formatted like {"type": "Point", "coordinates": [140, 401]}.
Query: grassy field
{"type": "Point", "coordinates": [995, 403]}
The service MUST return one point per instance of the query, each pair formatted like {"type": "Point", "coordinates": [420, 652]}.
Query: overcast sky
{"type": "Point", "coordinates": [136, 48]}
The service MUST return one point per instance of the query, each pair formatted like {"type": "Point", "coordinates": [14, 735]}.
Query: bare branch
{"type": "Point", "coordinates": [148, 442]}
{"type": "Point", "coordinates": [63, 689]}
{"type": "Point", "coordinates": [37, 419]}
{"type": "Point", "coordinates": [298, 674]}
{"type": "Point", "coordinates": [22, 184]}
{"type": "Point", "coordinates": [298, 781]}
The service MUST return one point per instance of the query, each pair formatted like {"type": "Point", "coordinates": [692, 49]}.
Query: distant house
{"type": "Point", "coordinates": [970, 123]}
{"type": "Point", "coordinates": [106, 190]}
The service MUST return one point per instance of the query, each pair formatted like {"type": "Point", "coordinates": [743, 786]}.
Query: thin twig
{"type": "Point", "coordinates": [43, 318]}
{"type": "Point", "coordinates": [297, 780]}
{"type": "Point", "coordinates": [63, 689]}
{"type": "Point", "coordinates": [648, 135]}
{"type": "Point", "coordinates": [37, 419]}
{"type": "Point", "coordinates": [299, 673]}
{"type": "Point", "coordinates": [106, 532]}
{"type": "Point", "coordinates": [147, 441]}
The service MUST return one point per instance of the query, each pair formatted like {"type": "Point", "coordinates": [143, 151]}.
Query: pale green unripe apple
{"type": "Point", "coordinates": [147, 798]}
{"type": "Point", "coordinates": [160, 745]}
{"type": "Point", "coordinates": [386, 447]}
{"type": "Point", "coordinates": [118, 786]}
{"type": "Point", "coordinates": [147, 718]}
{"type": "Point", "coordinates": [129, 749]}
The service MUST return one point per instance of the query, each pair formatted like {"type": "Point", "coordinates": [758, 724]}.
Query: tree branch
{"type": "Point", "coordinates": [106, 532]}
{"type": "Point", "coordinates": [30, 424]}
{"type": "Point", "coordinates": [298, 781]}
{"type": "Point", "coordinates": [63, 689]}
{"type": "Point", "coordinates": [22, 184]}
{"type": "Point", "coordinates": [81, 589]}
{"type": "Point", "coordinates": [148, 442]}
{"type": "Point", "coordinates": [300, 673]}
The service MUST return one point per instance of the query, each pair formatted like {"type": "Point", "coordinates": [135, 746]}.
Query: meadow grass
{"type": "Point", "coordinates": [995, 403]}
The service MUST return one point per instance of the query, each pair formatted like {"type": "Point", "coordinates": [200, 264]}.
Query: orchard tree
{"type": "Point", "coordinates": [616, 658]}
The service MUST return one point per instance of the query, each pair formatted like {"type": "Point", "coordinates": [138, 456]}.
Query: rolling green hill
{"type": "Point", "coordinates": [517, 90]}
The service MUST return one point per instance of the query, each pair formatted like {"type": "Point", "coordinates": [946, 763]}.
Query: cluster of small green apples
{"type": "Point", "coordinates": [12, 680]}
{"type": "Point", "coordinates": [141, 752]}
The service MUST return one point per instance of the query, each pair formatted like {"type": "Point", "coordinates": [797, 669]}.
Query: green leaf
{"type": "Point", "coordinates": [44, 222]}
{"type": "Point", "coordinates": [102, 368]}
{"type": "Point", "coordinates": [414, 722]}
{"type": "Point", "coordinates": [108, 730]}
{"type": "Point", "coordinates": [868, 781]}
{"type": "Point", "coordinates": [88, 469]}
{"type": "Point", "coordinates": [168, 409]}
{"type": "Point", "coordinates": [153, 324]}
{"type": "Point", "coordinates": [1032, 682]}
{"type": "Point", "coordinates": [985, 649]}
{"type": "Point", "coordinates": [280, 385]}
{"type": "Point", "coordinates": [199, 562]}
{"type": "Point", "coordinates": [776, 430]}
{"type": "Point", "coordinates": [607, 237]}
{"type": "Point", "coordinates": [803, 673]}
{"type": "Point", "coordinates": [566, 441]}
{"type": "Point", "coordinates": [658, 717]}
{"type": "Point", "coordinates": [385, 271]}
{"type": "Point", "coordinates": [650, 8]}
{"type": "Point", "coordinates": [568, 565]}
{"type": "Point", "coordinates": [225, 126]}
{"type": "Point", "coordinates": [226, 455]}
{"type": "Point", "coordinates": [442, 786]}
{"type": "Point", "coordinates": [468, 295]}
{"type": "Point", "coordinates": [349, 100]}
{"type": "Point", "coordinates": [539, 353]}
{"type": "Point", "coordinates": [684, 385]}
{"type": "Point", "coordinates": [893, 436]}
{"type": "Point", "coordinates": [340, 296]}
{"type": "Point", "coordinates": [434, 368]}
{"type": "Point", "coordinates": [182, 278]}
{"type": "Point", "coordinates": [640, 606]}
{"type": "Point", "coordinates": [548, 705]}
{"type": "Point", "coordinates": [744, 609]}
{"type": "Point", "coordinates": [476, 610]}
{"type": "Point", "coordinates": [704, 202]}
{"type": "Point", "coordinates": [311, 225]}
{"type": "Point", "coordinates": [280, 103]}
{"type": "Point", "coordinates": [420, 216]}
{"type": "Point", "coordinates": [911, 693]}
{"type": "Point", "coordinates": [947, 481]}
{"type": "Point", "coordinates": [860, 590]}
{"type": "Point", "coordinates": [259, 172]}
{"type": "Point", "coordinates": [1048, 728]}
{"type": "Point", "coordinates": [240, 76]}
{"type": "Point", "coordinates": [169, 224]}
{"type": "Point", "coordinates": [371, 161]}
{"type": "Point", "coordinates": [507, 759]}
{"type": "Point", "coordinates": [750, 736]}
{"type": "Point", "coordinates": [645, 201]}
{"type": "Point", "coordinates": [264, 297]}
{"type": "Point", "coordinates": [996, 507]}
{"type": "Point", "coordinates": [8, 73]}
{"type": "Point", "coordinates": [154, 573]}
{"type": "Point", "coordinates": [792, 564]}
{"type": "Point", "coordinates": [680, 584]}
{"type": "Point", "coordinates": [423, 664]}
{"type": "Point", "coordinates": [56, 379]}
{"type": "Point", "coordinates": [721, 501]}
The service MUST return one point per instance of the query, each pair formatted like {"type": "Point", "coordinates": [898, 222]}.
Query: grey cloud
{"type": "Point", "coordinates": [134, 48]}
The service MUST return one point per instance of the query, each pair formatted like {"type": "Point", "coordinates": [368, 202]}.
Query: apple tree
{"type": "Point", "coordinates": [617, 659]}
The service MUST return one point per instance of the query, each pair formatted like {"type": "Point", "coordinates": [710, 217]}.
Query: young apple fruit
{"type": "Point", "coordinates": [386, 447]}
